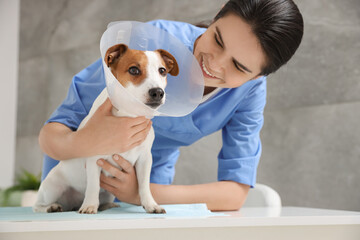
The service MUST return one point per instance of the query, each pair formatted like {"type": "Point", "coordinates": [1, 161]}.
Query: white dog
{"type": "Point", "coordinates": [70, 186]}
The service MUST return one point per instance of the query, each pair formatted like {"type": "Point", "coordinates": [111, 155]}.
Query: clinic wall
{"type": "Point", "coordinates": [310, 137]}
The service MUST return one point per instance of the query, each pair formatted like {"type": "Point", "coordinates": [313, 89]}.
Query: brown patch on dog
{"type": "Point", "coordinates": [169, 61]}
{"type": "Point", "coordinates": [121, 62]}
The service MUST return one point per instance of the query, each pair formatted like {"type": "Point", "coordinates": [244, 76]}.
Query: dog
{"type": "Point", "coordinates": [70, 186]}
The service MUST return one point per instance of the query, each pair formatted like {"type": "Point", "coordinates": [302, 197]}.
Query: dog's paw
{"type": "Point", "coordinates": [54, 208]}
{"type": "Point", "coordinates": [105, 206]}
{"type": "Point", "coordinates": [91, 209]}
{"type": "Point", "coordinates": [154, 209]}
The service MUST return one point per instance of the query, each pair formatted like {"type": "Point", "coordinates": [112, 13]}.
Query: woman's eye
{"type": "Point", "coordinates": [217, 41]}
{"type": "Point", "coordinates": [237, 67]}
{"type": "Point", "coordinates": [162, 71]}
{"type": "Point", "coordinates": [134, 71]}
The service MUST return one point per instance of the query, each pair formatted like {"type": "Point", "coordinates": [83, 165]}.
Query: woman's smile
{"type": "Point", "coordinates": [208, 72]}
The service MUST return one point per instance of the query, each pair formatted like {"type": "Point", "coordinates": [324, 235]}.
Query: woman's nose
{"type": "Point", "coordinates": [218, 62]}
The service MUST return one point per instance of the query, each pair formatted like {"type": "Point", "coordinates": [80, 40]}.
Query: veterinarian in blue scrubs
{"type": "Point", "coordinates": [246, 41]}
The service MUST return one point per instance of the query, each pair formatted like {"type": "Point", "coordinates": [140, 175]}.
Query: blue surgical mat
{"type": "Point", "coordinates": [126, 211]}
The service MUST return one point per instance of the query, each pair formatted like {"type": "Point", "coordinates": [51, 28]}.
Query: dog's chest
{"type": "Point", "coordinates": [132, 155]}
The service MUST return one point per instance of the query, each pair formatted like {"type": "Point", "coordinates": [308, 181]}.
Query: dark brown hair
{"type": "Point", "coordinates": [278, 25]}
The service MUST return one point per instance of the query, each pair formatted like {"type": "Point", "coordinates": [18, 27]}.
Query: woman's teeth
{"type": "Point", "coordinates": [207, 71]}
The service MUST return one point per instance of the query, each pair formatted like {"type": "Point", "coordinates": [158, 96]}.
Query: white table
{"type": "Point", "coordinates": [249, 223]}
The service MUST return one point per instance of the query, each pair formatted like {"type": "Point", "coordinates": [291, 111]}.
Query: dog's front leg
{"type": "Point", "coordinates": [143, 169]}
{"type": "Point", "coordinates": [91, 201]}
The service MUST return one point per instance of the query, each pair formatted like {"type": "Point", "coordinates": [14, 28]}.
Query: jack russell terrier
{"type": "Point", "coordinates": [70, 186]}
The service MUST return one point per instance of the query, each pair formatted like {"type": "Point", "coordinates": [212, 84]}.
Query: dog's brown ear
{"type": "Point", "coordinates": [114, 53]}
{"type": "Point", "coordinates": [170, 61]}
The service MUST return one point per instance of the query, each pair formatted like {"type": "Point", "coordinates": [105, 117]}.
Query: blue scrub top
{"type": "Point", "coordinates": [238, 112]}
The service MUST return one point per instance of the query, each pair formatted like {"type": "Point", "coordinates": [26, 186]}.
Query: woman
{"type": "Point", "coordinates": [246, 41]}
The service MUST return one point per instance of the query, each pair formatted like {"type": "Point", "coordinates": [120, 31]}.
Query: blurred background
{"type": "Point", "coordinates": [311, 136]}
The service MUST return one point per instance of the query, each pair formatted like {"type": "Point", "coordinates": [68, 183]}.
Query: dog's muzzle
{"type": "Point", "coordinates": [156, 96]}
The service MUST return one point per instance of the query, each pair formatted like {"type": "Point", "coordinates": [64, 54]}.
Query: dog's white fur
{"type": "Point", "coordinates": [75, 184]}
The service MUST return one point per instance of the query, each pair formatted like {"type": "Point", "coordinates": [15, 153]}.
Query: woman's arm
{"type": "Point", "coordinates": [223, 195]}
{"type": "Point", "coordinates": [102, 134]}
{"type": "Point", "coordinates": [218, 196]}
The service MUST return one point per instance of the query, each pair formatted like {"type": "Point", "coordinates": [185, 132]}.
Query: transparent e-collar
{"type": "Point", "coordinates": [183, 92]}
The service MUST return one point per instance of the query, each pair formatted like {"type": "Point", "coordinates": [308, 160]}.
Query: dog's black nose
{"type": "Point", "coordinates": [156, 94]}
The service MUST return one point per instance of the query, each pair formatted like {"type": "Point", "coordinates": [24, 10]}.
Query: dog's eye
{"type": "Point", "coordinates": [134, 71]}
{"type": "Point", "coordinates": [162, 71]}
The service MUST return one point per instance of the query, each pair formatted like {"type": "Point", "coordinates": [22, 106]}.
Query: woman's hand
{"type": "Point", "coordinates": [103, 134]}
{"type": "Point", "coordinates": [106, 134]}
{"type": "Point", "coordinates": [123, 182]}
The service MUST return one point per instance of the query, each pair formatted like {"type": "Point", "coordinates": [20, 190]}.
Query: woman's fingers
{"type": "Point", "coordinates": [141, 127]}
{"type": "Point", "coordinates": [108, 167]}
{"type": "Point", "coordinates": [135, 144]}
{"type": "Point", "coordinates": [124, 183]}
{"type": "Point", "coordinates": [125, 165]}
{"type": "Point", "coordinates": [139, 121]}
{"type": "Point", "coordinates": [108, 183]}
{"type": "Point", "coordinates": [142, 133]}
